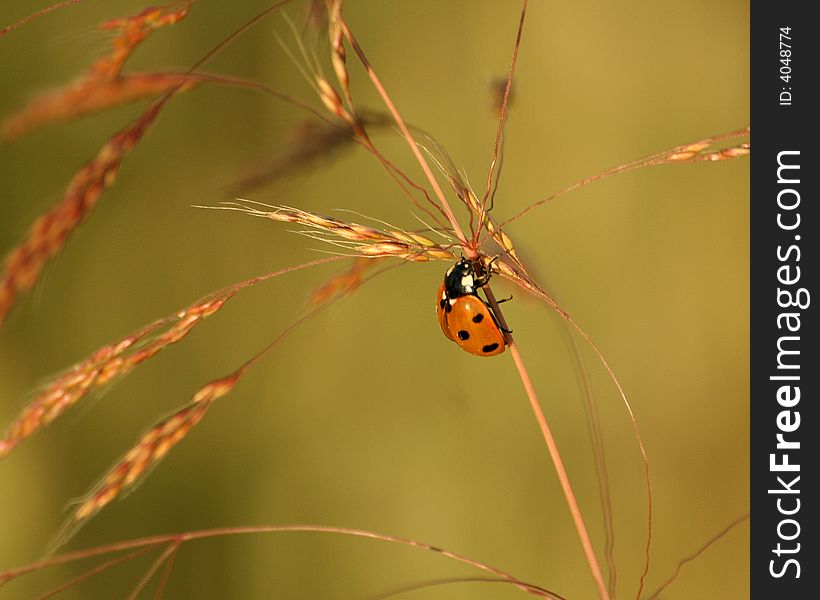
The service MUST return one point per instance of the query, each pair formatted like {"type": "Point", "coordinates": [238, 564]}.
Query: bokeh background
{"type": "Point", "coordinates": [366, 416]}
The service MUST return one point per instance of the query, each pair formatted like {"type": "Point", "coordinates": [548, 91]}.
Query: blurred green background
{"type": "Point", "coordinates": [367, 416]}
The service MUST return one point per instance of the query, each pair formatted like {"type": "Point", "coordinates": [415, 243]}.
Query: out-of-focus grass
{"type": "Point", "coordinates": [368, 417]}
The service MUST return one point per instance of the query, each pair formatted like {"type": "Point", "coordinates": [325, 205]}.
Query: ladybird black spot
{"type": "Point", "coordinates": [447, 306]}
{"type": "Point", "coordinates": [464, 336]}
{"type": "Point", "coordinates": [478, 318]}
{"type": "Point", "coordinates": [442, 302]}
{"type": "Point", "coordinates": [490, 347]}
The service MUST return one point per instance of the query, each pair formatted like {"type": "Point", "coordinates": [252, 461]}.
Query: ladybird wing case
{"type": "Point", "coordinates": [442, 308]}
{"type": "Point", "coordinates": [472, 326]}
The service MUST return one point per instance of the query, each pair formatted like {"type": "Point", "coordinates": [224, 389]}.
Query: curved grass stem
{"type": "Point", "coordinates": [560, 470]}
{"type": "Point", "coordinates": [414, 148]}
{"type": "Point", "coordinates": [555, 455]}
{"type": "Point", "coordinates": [175, 540]}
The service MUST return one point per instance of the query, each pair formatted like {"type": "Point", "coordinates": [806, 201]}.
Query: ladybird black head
{"type": "Point", "coordinates": [460, 279]}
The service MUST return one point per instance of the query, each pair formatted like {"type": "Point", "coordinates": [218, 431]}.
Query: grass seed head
{"type": "Point", "coordinates": [103, 367]}
{"type": "Point", "coordinates": [152, 446]}
{"type": "Point", "coordinates": [104, 85]}
{"type": "Point", "coordinates": [362, 240]}
{"type": "Point", "coordinates": [50, 231]}
{"type": "Point", "coordinates": [345, 282]}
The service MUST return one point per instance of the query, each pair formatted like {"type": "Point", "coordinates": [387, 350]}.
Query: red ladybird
{"type": "Point", "coordinates": [463, 316]}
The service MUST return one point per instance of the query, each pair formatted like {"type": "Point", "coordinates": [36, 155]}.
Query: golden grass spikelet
{"type": "Point", "coordinates": [43, 11]}
{"type": "Point", "coordinates": [695, 152]}
{"type": "Point", "coordinates": [465, 193]}
{"type": "Point", "coordinates": [153, 445]}
{"type": "Point", "coordinates": [699, 156]}
{"type": "Point", "coordinates": [333, 102]}
{"type": "Point", "coordinates": [338, 56]}
{"type": "Point", "coordinates": [344, 282]}
{"type": "Point", "coordinates": [134, 30]}
{"type": "Point", "coordinates": [105, 365]}
{"type": "Point", "coordinates": [360, 239]}
{"type": "Point", "coordinates": [49, 232]}
{"type": "Point", "coordinates": [92, 96]}
{"type": "Point", "coordinates": [684, 154]}
{"type": "Point", "coordinates": [510, 272]}
{"type": "Point", "coordinates": [338, 59]}
{"type": "Point", "coordinates": [103, 85]}
{"type": "Point", "coordinates": [500, 238]}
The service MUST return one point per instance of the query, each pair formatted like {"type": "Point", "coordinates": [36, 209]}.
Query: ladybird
{"type": "Point", "coordinates": [463, 316]}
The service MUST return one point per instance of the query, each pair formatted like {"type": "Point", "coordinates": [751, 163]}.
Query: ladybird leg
{"type": "Point", "coordinates": [484, 279]}
{"type": "Point", "coordinates": [502, 301]}
{"type": "Point", "coordinates": [502, 329]}
{"type": "Point", "coordinates": [495, 318]}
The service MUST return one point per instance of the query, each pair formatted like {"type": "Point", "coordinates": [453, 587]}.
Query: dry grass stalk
{"type": "Point", "coordinates": [104, 366]}
{"type": "Point", "coordinates": [172, 543]}
{"type": "Point", "coordinates": [89, 573]}
{"type": "Point", "coordinates": [47, 236]}
{"type": "Point", "coordinates": [684, 154]}
{"type": "Point", "coordinates": [523, 280]}
{"type": "Point", "coordinates": [345, 282]}
{"type": "Point", "coordinates": [341, 107]}
{"type": "Point", "coordinates": [467, 196]}
{"type": "Point", "coordinates": [76, 101]}
{"type": "Point", "coordinates": [116, 360]}
{"type": "Point", "coordinates": [103, 85]}
{"type": "Point", "coordinates": [471, 201]}
{"type": "Point", "coordinates": [152, 446]}
{"type": "Point", "coordinates": [50, 231]}
{"type": "Point", "coordinates": [332, 100]}
{"type": "Point", "coordinates": [135, 29]}
{"type": "Point", "coordinates": [696, 151]}
{"type": "Point", "coordinates": [444, 205]}
{"type": "Point", "coordinates": [708, 544]}
{"type": "Point", "coordinates": [119, 358]}
{"type": "Point", "coordinates": [43, 11]}
{"type": "Point", "coordinates": [498, 89]}
{"type": "Point", "coordinates": [471, 249]}
{"type": "Point", "coordinates": [361, 240]}
{"type": "Point", "coordinates": [166, 557]}
{"type": "Point", "coordinates": [338, 57]}
{"type": "Point", "coordinates": [367, 241]}
{"type": "Point", "coordinates": [496, 160]}
{"type": "Point", "coordinates": [155, 443]}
